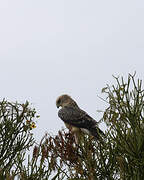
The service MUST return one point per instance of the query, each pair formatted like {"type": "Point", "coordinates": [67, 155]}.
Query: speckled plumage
{"type": "Point", "coordinates": [75, 118]}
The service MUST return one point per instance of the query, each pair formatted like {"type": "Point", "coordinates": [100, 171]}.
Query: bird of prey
{"type": "Point", "coordinates": [75, 119]}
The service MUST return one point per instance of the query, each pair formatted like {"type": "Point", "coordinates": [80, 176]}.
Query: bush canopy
{"type": "Point", "coordinates": [120, 156]}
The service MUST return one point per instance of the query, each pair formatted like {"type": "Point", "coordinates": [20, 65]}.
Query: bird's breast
{"type": "Point", "coordinates": [72, 128]}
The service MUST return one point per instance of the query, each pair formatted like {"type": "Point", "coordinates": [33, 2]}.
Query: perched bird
{"type": "Point", "coordinates": [75, 119]}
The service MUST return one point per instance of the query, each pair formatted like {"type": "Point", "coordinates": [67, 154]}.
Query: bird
{"type": "Point", "coordinates": [76, 119]}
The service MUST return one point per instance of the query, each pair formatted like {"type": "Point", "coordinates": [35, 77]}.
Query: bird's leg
{"type": "Point", "coordinates": [76, 138]}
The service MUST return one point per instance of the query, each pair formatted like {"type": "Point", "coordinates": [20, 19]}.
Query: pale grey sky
{"type": "Point", "coordinates": [51, 47]}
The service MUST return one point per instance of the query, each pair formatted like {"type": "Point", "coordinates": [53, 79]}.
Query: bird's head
{"type": "Point", "coordinates": [64, 100]}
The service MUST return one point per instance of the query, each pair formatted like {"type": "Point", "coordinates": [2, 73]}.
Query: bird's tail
{"type": "Point", "coordinates": [97, 133]}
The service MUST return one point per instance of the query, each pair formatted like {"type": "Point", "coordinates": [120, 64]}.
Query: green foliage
{"type": "Point", "coordinates": [15, 136]}
{"type": "Point", "coordinates": [120, 155]}
{"type": "Point", "coordinates": [125, 120]}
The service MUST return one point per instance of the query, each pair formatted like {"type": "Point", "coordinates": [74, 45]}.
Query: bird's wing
{"type": "Point", "coordinates": [76, 117]}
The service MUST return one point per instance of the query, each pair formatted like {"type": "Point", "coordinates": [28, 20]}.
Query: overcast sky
{"type": "Point", "coordinates": [51, 47]}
